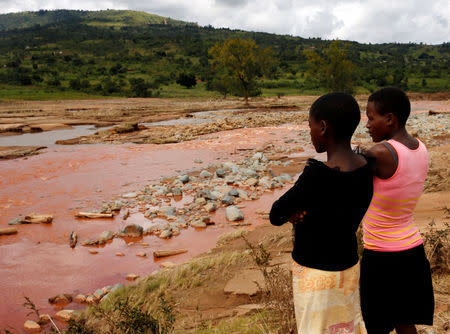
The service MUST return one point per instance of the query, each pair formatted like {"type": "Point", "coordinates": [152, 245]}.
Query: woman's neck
{"type": "Point", "coordinates": [402, 136]}
{"type": "Point", "coordinates": [339, 155]}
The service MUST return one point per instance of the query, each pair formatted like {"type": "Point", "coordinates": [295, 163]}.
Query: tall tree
{"type": "Point", "coordinates": [332, 68]}
{"type": "Point", "coordinates": [241, 61]}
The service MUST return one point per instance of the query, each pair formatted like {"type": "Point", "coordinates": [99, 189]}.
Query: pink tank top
{"type": "Point", "coordinates": [388, 224]}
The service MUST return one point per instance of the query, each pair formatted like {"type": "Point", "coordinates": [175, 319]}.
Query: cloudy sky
{"type": "Point", "coordinates": [374, 21]}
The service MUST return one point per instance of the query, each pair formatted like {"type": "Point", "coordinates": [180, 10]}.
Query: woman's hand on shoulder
{"type": "Point", "coordinates": [385, 165]}
{"type": "Point", "coordinates": [297, 217]}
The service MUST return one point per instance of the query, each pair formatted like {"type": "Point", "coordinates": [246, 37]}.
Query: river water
{"type": "Point", "coordinates": [38, 262]}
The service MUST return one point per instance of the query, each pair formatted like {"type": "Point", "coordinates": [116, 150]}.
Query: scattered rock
{"type": "Point", "coordinates": [233, 192]}
{"type": "Point", "coordinates": [44, 319]}
{"type": "Point", "coordinates": [205, 174]}
{"type": "Point", "coordinates": [233, 213]}
{"type": "Point", "coordinates": [252, 182]}
{"type": "Point", "coordinates": [64, 298]}
{"type": "Point", "coordinates": [105, 236]}
{"type": "Point", "coordinates": [198, 224]}
{"type": "Point", "coordinates": [141, 254]}
{"type": "Point", "coordinates": [126, 214]}
{"type": "Point", "coordinates": [125, 128]}
{"type": "Point", "coordinates": [90, 300]}
{"type": "Point", "coordinates": [184, 178]}
{"type": "Point", "coordinates": [132, 277]}
{"type": "Point", "coordinates": [198, 161]}
{"type": "Point", "coordinates": [98, 294]}
{"type": "Point", "coordinates": [228, 200]}
{"type": "Point", "coordinates": [210, 207]}
{"type": "Point", "coordinates": [120, 254]}
{"type": "Point", "coordinates": [65, 315]}
{"type": "Point", "coordinates": [133, 231]}
{"type": "Point", "coordinates": [165, 234]}
{"type": "Point", "coordinates": [93, 251]}
{"type": "Point", "coordinates": [167, 211]}
{"type": "Point", "coordinates": [31, 327]}
{"type": "Point", "coordinates": [221, 173]}
{"type": "Point", "coordinates": [200, 200]}
{"type": "Point", "coordinates": [80, 299]}
{"type": "Point", "coordinates": [116, 206]}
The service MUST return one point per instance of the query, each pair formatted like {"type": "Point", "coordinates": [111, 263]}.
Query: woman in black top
{"type": "Point", "coordinates": [326, 205]}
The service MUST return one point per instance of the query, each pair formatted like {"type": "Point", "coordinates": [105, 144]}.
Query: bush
{"type": "Point", "coordinates": [187, 80]}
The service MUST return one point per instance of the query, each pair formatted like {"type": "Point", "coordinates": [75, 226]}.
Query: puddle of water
{"type": "Point", "coordinates": [47, 138]}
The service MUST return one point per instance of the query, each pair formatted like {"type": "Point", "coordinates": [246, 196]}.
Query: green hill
{"type": "Point", "coordinates": [105, 18]}
{"type": "Point", "coordinates": [124, 53]}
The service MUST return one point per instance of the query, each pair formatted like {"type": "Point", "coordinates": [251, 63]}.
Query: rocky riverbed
{"type": "Point", "coordinates": [180, 196]}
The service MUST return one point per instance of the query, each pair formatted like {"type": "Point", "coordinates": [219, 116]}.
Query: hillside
{"type": "Point", "coordinates": [105, 18]}
{"type": "Point", "coordinates": [77, 54]}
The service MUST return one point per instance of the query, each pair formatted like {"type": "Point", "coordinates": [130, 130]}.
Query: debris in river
{"type": "Point", "coordinates": [165, 253]}
{"type": "Point", "coordinates": [126, 214]}
{"type": "Point", "coordinates": [93, 215]}
{"type": "Point", "coordinates": [8, 231]}
{"type": "Point", "coordinates": [38, 219]}
{"type": "Point", "coordinates": [73, 239]}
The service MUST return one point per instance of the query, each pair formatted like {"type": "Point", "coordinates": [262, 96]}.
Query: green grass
{"type": "Point", "coordinates": [199, 90]}
{"type": "Point", "coordinates": [33, 93]}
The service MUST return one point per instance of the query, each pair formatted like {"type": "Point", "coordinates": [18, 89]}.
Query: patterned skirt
{"type": "Point", "coordinates": [327, 302]}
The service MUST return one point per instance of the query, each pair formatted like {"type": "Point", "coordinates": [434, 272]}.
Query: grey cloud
{"type": "Point", "coordinates": [361, 20]}
{"type": "Point", "coordinates": [232, 3]}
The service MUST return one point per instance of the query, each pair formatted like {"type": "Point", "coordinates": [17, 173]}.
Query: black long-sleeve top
{"type": "Point", "coordinates": [334, 203]}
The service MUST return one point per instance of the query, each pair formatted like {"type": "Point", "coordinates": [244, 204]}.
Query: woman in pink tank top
{"type": "Point", "coordinates": [396, 285]}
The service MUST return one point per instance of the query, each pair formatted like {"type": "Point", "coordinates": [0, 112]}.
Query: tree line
{"type": "Point", "coordinates": [139, 61]}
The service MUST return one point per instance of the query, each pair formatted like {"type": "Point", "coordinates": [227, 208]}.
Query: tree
{"type": "Point", "coordinates": [140, 88]}
{"type": "Point", "coordinates": [186, 80]}
{"type": "Point", "coordinates": [242, 61]}
{"type": "Point", "coordinates": [332, 68]}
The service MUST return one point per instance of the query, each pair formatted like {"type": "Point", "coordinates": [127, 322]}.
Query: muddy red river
{"type": "Point", "coordinates": [38, 262]}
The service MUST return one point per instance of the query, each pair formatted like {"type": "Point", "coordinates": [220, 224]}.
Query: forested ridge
{"type": "Point", "coordinates": [128, 53]}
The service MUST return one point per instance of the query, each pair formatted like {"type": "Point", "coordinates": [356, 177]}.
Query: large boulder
{"type": "Point", "coordinates": [105, 236]}
{"type": "Point", "coordinates": [233, 213]}
{"type": "Point", "coordinates": [133, 231]}
{"type": "Point", "coordinates": [31, 327]}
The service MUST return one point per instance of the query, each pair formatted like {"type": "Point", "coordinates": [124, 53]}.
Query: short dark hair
{"type": "Point", "coordinates": [392, 100]}
{"type": "Point", "coordinates": [340, 110]}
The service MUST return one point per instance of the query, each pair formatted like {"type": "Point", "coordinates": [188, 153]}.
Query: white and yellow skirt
{"type": "Point", "coordinates": [327, 302]}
